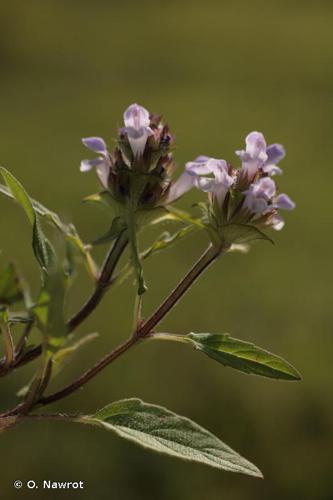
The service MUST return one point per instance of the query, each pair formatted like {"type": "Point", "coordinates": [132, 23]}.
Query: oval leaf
{"type": "Point", "coordinates": [243, 356]}
{"type": "Point", "coordinates": [163, 431]}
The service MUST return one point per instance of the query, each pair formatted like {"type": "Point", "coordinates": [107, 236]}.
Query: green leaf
{"type": "Point", "coordinates": [49, 309]}
{"type": "Point", "coordinates": [135, 256]}
{"type": "Point", "coordinates": [243, 356]}
{"type": "Point", "coordinates": [163, 431]}
{"type": "Point", "coordinates": [68, 230]}
{"type": "Point", "coordinates": [12, 286]}
{"type": "Point", "coordinates": [242, 233]}
{"type": "Point", "coordinates": [39, 242]}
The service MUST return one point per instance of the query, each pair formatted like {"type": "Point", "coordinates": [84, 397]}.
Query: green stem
{"type": "Point", "coordinates": [136, 261]}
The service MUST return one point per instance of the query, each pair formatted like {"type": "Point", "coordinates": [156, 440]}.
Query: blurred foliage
{"type": "Point", "coordinates": [216, 70]}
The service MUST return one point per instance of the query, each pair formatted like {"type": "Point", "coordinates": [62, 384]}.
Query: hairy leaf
{"type": "Point", "coordinates": [243, 356]}
{"type": "Point", "coordinates": [163, 431]}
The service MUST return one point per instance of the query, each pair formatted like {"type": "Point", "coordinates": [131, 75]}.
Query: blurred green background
{"type": "Point", "coordinates": [216, 70]}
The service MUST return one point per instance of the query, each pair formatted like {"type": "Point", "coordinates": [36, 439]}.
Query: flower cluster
{"type": "Point", "coordinates": [247, 194]}
{"type": "Point", "coordinates": [141, 164]}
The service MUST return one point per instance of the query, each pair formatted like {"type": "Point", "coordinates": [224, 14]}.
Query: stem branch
{"type": "Point", "coordinates": [199, 267]}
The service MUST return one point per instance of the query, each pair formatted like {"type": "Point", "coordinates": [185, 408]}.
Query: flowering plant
{"type": "Point", "coordinates": [138, 189]}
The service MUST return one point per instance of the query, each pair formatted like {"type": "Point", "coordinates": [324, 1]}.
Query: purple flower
{"type": "Point", "coordinates": [258, 156]}
{"type": "Point", "coordinates": [261, 199]}
{"type": "Point", "coordinates": [137, 128]}
{"type": "Point", "coordinates": [184, 183]}
{"type": "Point", "coordinates": [254, 156]}
{"type": "Point", "coordinates": [259, 196]}
{"type": "Point", "coordinates": [275, 153]}
{"type": "Point", "coordinates": [211, 175]}
{"type": "Point", "coordinates": [102, 163]}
